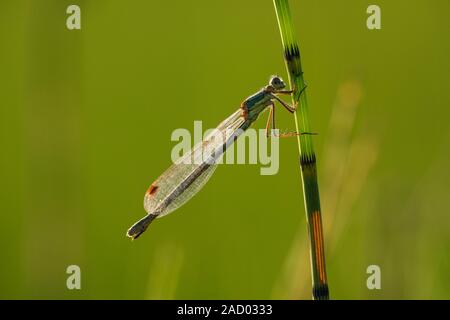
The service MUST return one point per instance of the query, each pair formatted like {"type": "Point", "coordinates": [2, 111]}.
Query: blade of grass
{"type": "Point", "coordinates": [306, 151]}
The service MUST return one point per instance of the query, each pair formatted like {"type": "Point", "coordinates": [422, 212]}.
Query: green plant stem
{"type": "Point", "coordinates": [306, 151]}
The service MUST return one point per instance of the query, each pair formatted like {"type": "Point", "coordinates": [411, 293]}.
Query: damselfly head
{"type": "Point", "coordinates": [277, 83]}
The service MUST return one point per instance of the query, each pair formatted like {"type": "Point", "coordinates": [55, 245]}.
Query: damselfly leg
{"type": "Point", "coordinates": [271, 119]}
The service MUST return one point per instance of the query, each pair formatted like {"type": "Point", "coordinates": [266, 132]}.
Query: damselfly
{"type": "Point", "coordinates": [190, 173]}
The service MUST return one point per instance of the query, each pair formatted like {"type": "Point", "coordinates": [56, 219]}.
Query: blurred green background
{"type": "Point", "coordinates": [86, 118]}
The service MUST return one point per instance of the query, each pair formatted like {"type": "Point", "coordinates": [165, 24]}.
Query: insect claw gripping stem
{"type": "Point", "coordinates": [294, 108]}
{"type": "Point", "coordinates": [304, 88]}
{"type": "Point", "coordinates": [301, 92]}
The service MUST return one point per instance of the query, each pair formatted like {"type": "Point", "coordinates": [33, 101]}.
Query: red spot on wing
{"type": "Point", "coordinates": [152, 189]}
{"type": "Point", "coordinates": [244, 110]}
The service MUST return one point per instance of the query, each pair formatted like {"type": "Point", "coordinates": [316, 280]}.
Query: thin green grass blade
{"type": "Point", "coordinates": [306, 151]}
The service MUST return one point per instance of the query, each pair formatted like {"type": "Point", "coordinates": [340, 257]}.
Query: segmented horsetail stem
{"type": "Point", "coordinates": [306, 151]}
